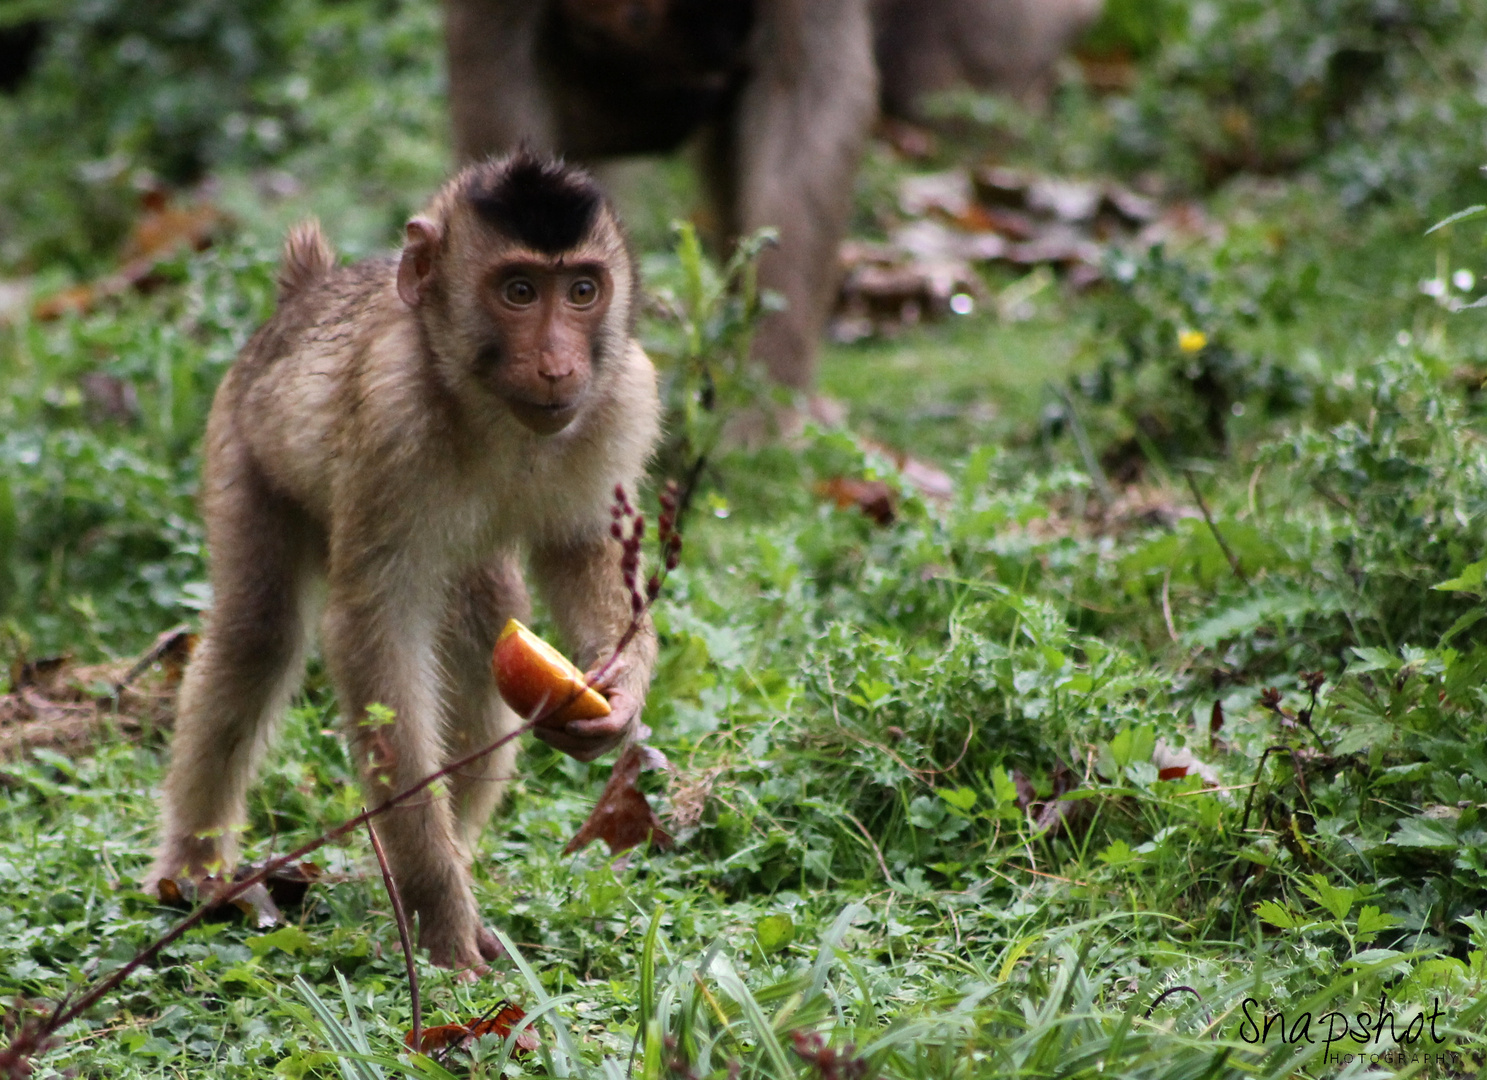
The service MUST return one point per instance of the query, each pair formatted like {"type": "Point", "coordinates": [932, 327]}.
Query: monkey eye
{"type": "Point", "coordinates": [583, 292]}
{"type": "Point", "coordinates": [520, 292]}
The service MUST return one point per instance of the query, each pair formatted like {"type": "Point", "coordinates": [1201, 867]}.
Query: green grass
{"type": "Point", "coordinates": [860, 710]}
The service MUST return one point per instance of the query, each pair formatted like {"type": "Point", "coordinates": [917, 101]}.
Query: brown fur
{"type": "Point", "coordinates": [308, 257]}
{"type": "Point", "coordinates": [362, 464]}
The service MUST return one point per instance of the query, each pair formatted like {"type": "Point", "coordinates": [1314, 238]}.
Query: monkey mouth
{"type": "Point", "coordinates": [544, 418]}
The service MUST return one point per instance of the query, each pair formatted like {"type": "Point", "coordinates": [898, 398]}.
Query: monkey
{"type": "Point", "coordinates": [382, 453]}
{"type": "Point", "coordinates": [779, 96]}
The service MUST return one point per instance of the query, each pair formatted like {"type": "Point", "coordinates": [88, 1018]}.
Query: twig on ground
{"type": "Point", "coordinates": [402, 920]}
{"type": "Point", "coordinates": [1208, 518]}
{"type": "Point", "coordinates": [877, 851]}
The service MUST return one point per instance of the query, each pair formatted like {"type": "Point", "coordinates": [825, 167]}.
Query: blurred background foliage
{"type": "Point", "coordinates": [1251, 452]}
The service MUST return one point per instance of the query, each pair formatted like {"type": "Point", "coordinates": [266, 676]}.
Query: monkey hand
{"type": "Point", "coordinates": [589, 739]}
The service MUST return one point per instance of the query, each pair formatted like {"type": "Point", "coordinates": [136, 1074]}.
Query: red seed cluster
{"type": "Point", "coordinates": [831, 1063]}
{"type": "Point", "coordinates": [671, 537]}
{"type": "Point", "coordinates": [628, 527]}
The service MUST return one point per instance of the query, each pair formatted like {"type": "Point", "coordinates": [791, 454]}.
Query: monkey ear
{"type": "Point", "coordinates": [419, 247]}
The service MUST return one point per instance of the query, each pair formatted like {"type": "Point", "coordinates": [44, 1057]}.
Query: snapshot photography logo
{"type": "Point", "coordinates": [1382, 1035]}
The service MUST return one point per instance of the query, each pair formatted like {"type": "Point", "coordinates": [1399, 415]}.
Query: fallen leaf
{"type": "Point", "coordinates": [956, 220]}
{"type": "Point", "coordinates": [873, 497]}
{"type": "Point", "coordinates": [162, 230]}
{"type": "Point", "coordinates": [1167, 759]}
{"type": "Point", "coordinates": [498, 1021]}
{"type": "Point", "coordinates": [1112, 73]}
{"type": "Point", "coordinates": [259, 905]}
{"type": "Point", "coordinates": [908, 140]}
{"type": "Point", "coordinates": [59, 705]}
{"type": "Point", "coordinates": [623, 817]}
{"type": "Point", "coordinates": [166, 227]}
{"type": "Point", "coordinates": [288, 885]}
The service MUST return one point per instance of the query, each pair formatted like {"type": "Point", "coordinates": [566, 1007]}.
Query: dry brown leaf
{"type": "Point", "coordinates": [259, 905]}
{"type": "Point", "coordinates": [623, 817]}
{"type": "Point", "coordinates": [873, 497]}
{"type": "Point", "coordinates": [162, 230]}
{"type": "Point", "coordinates": [1112, 74]}
{"type": "Point", "coordinates": [63, 706]}
{"type": "Point", "coordinates": [957, 219]}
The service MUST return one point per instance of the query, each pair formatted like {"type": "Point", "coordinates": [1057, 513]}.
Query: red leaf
{"type": "Point", "coordinates": [507, 1016]}
{"type": "Point", "coordinates": [1172, 772]}
{"type": "Point", "coordinates": [499, 1022]}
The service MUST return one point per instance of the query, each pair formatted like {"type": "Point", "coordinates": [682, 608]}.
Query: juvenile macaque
{"type": "Point", "coordinates": [387, 447]}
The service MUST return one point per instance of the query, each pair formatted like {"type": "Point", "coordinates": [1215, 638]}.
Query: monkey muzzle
{"type": "Point", "coordinates": [544, 418]}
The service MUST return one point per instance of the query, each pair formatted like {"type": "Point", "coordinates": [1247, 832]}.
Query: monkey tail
{"type": "Point", "coordinates": [308, 257]}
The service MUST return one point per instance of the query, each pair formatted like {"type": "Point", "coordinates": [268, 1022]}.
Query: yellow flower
{"type": "Point", "coordinates": [1191, 341]}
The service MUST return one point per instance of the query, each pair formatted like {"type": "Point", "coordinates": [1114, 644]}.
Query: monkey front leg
{"type": "Point", "coordinates": [586, 592]}
{"type": "Point", "coordinates": [380, 649]}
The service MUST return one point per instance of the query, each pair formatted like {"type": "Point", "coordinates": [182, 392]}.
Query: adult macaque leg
{"type": "Point", "coordinates": [794, 144]}
{"type": "Point", "coordinates": [497, 96]}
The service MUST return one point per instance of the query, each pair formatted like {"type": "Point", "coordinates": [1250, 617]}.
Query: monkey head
{"type": "Point", "coordinates": [523, 284]}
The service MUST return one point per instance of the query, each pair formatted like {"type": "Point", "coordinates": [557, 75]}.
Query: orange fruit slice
{"type": "Point", "coordinates": [534, 677]}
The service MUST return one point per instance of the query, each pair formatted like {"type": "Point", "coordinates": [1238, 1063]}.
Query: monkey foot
{"type": "Point", "coordinates": [468, 958]}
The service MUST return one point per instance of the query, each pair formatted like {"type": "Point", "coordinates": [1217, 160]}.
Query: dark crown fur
{"type": "Point", "coordinates": [538, 201]}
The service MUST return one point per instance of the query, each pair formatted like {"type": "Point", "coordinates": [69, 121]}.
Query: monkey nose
{"type": "Point", "coordinates": [555, 373]}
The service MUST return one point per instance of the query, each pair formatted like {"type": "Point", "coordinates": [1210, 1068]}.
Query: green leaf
{"type": "Point", "coordinates": [1337, 900]}
{"type": "Point", "coordinates": [1277, 915]}
{"type": "Point", "coordinates": [1466, 621]}
{"type": "Point", "coordinates": [1276, 608]}
{"type": "Point", "coordinates": [1003, 787]}
{"type": "Point", "coordinates": [1461, 215]}
{"type": "Point", "coordinates": [961, 798]}
{"type": "Point", "coordinates": [1119, 853]}
{"type": "Point", "coordinates": [1470, 580]}
{"type": "Point", "coordinates": [290, 939]}
{"type": "Point", "coordinates": [774, 932]}
{"type": "Point", "coordinates": [1133, 744]}
{"type": "Point", "coordinates": [1371, 920]}
{"type": "Point", "coordinates": [1419, 832]}
{"type": "Point", "coordinates": [1374, 660]}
